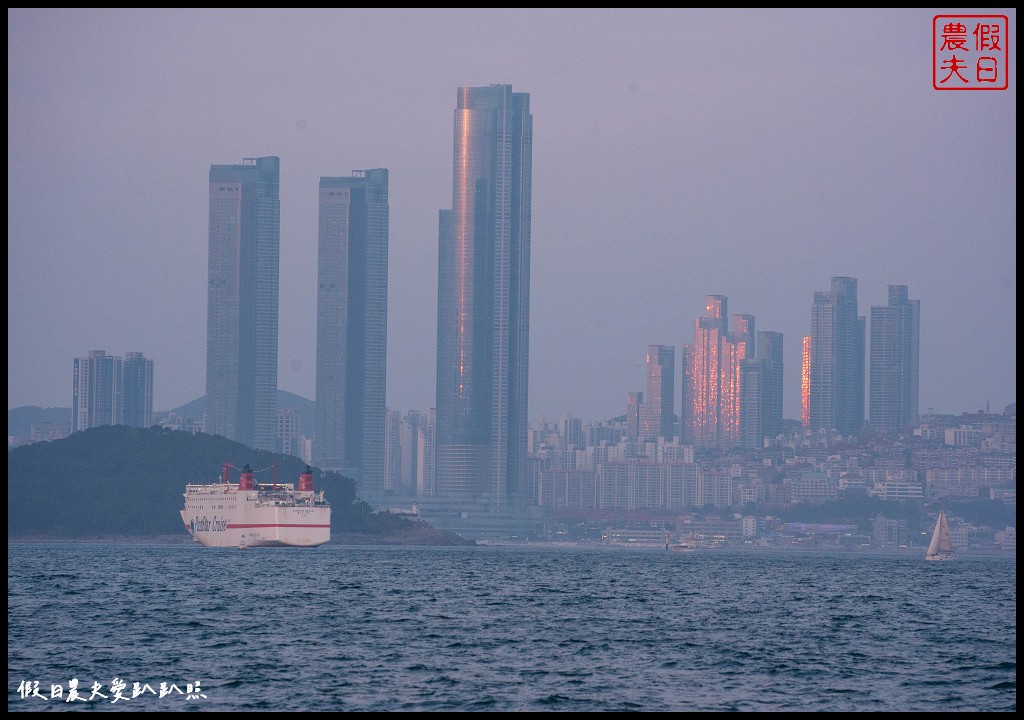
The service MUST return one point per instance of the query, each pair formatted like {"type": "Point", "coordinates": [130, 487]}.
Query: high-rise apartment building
{"type": "Point", "coordinates": [895, 335]}
{"type": "Point", "coordinates": [634, 405]}
{"type": "Point", "coordinates": [242, 302]}
{"type": "Point", "coordinates": [483, 314]}
{"type": "Point", "coordinates": [570, 433]}
{"type": "Point", "coordinates": [752, 405]}
{"type": "Point", "coordinates": [737, 347]}
{"type": "Point", "coordinates": [742, 328]}
{"type": "Point", "coordinates": [709, 332]}
{"type": "Point", "coordinates": [351, 328]}
{"type": "Point", "coordinates": [392, 450]}
{"type": "Point", "coordinates": [836, 390]}
{"type": "Point", "coordinates": [409, 439]}
{"type": "Point", "coordinates": [769, 349]}
{"type": "Point", "coordinates": [685, 424]}
{"type": "Point", "coordinates": [805, 383]}
{"type": "Point", "coordinates": [659, 410]}
{"type": "Point", "coordinates": [97, 396]}
{"type": "Point", "coordinates": [724, 403]}
{"type": "Point", "coordinates": [289, 432]}
{"type": "Point", "coordinates": [138, 390]}
{"type": "Point", "coordinates": [425, 465]}
{"type": "Point", "coordinates": [760, 408]}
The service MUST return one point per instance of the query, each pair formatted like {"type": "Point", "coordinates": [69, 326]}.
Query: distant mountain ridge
{"type": "Point", "coordinates": [21, 419]}
{"type": "Point", "coordinates": [285, 400]}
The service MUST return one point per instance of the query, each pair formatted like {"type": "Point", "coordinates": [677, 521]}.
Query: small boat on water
{"type": "Point", "coordinates": [941, 546]}
{"type": "Point", "coordinates": [687, 544]}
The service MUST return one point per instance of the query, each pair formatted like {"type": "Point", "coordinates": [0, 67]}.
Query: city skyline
{"type": "Point", "coordinates": [660, 177]}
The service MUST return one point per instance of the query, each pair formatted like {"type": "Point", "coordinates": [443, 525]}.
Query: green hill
{"type": "Point", "coordinates": [118, 481]}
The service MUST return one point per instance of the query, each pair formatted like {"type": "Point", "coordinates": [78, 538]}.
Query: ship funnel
{"type": "Point", "coordinates": [306, 481]}
{"type": "Point", "coordinates": [246, 482]}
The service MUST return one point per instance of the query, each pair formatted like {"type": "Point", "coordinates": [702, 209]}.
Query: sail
{"type": "Point", "coordinates": [941, 540]}
{"type": "Point", "coordinates": [945, 540]}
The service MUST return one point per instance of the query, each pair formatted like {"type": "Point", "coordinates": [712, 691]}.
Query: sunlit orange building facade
{"type": "Point", "coordinates": [706, 372]}
{"type": "Point", "coordinates": [805, 383]}
{"type": "Point", "coordinates": [737, 347]}
{"type": "Point", "coordinates": [483, 313]}
{"type": "Point", "coordinates": [735, 389]}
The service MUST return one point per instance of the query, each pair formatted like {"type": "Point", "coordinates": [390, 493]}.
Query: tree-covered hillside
{"type": "Point", "coordinates": [121, 481]}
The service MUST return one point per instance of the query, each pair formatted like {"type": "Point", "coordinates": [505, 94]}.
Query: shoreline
{"type": "Point", "coordinates": [343, 539]}
{"type": "Point", "coordinates": [358, 539]}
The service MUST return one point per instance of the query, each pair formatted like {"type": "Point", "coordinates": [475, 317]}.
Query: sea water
{"type": "Point", "coordinates": [345, 628]}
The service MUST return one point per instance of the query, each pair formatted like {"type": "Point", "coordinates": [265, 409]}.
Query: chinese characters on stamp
{"type": "Point", "coordinates": [969, 52]}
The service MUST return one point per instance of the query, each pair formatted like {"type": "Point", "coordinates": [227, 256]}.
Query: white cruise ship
{"type": "Point", "coordinates": [245, 514]}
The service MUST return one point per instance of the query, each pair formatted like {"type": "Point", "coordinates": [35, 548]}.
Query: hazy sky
{"type": "Point", "coordinates": [677, 153]}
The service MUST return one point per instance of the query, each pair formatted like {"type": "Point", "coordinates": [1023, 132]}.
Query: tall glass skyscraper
{"type": "Point", "coordinates": [760, 409]}
{"type": "Point", "coordinates": [242, 302]}
{"type": "Point", "coordinates": [752, 403]}
{"type": "Point", "coordinates": [709, 333]}
{"type": "Point", "coordinates": [351, 328]}
{"type": "Point", "coordinates": [895, 333]}
{"type": "Point", "coordinates": [836, 367]}
{"type": "Point", "coordinates": [659, 407]}
{"type": "Point", "coordinates": [769, 350]}
{"type": "Point", "coordinates": [723, 413]}
{"type": "Point", "coordinates": [737, 348]}
{"type": "Point", "coordinates": [483, 309]}
{"type": "Point", "coordinates": [685, 424]}
{"type": "Point", "coordinates": [634, 407]}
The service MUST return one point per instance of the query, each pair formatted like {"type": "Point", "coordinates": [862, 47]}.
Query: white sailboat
{"type": "Point", "coordinates": [941, 546]}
